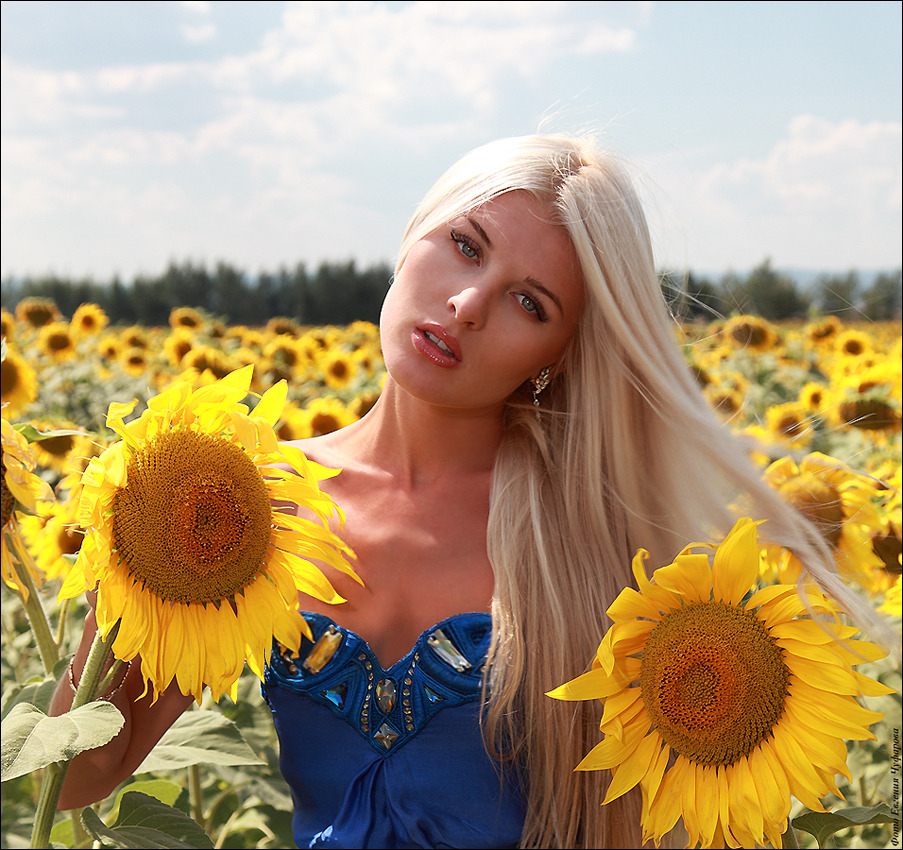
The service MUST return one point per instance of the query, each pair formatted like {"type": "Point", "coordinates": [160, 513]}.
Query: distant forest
{"type": "Point", "coordinates": [340, 293]}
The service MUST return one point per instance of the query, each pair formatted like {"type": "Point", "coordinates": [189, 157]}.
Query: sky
{"type": "Point", "coordinates": [267, 134]}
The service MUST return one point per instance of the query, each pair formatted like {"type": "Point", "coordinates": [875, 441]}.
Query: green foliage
{"type": "Point", "coordinates": [824, 824]}
{"type": "Point", "coordinates": [337, 293]}
{"type": "Point", "coordinates": [213, 779]}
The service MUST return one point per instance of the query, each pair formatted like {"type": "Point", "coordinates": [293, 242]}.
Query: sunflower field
{"type": "Point", "coordinates": [819, 400]}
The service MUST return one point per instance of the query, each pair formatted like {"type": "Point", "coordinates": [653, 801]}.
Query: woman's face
{"type": "Point", "coordinates": [482, 304]}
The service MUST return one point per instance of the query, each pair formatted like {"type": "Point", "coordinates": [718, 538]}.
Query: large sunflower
{"type": "Point", "coordinates": [22, 491]}
{"type": "Point", "coordinates": [184, 545]}
{"type": "Point", "coordinates": [723, 704]}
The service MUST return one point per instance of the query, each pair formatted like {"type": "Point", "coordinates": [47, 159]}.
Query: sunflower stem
{"type": "Point", "coordinates": [196, 793]}
{"type": "Point", "coordinates": [55, 773]}
{"type": "Point", "coordinates": [788, 839]}
{"type": "Point", "coordinates": [34, 611]}
{"type": "Point", "coordinates": [61, 625]}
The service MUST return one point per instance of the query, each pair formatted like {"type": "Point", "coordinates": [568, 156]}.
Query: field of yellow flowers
{"type": "Point", "coordinates": [821, 399]}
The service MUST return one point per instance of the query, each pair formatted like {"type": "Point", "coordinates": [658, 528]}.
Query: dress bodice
{"type": "Point", "coordinates": [391, 758]}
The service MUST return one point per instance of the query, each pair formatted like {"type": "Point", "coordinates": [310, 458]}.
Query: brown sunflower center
{"type": "Point", "coordinates": [713, 682]}
{"type": "Point", "coordinates": [749, 334]}
{"type": "Point", "coordinates": [8, 501]}
{"type": "Point", "coordinates": [59, 341]}
{"type": "Point", "coordinates": [58, 446]}
{"type": "Point", "coordinates": [193, 522]}
{"type": "Point", "coordinates": [869, 414]}
{"type": "Point", "coordinates": [820, 503]}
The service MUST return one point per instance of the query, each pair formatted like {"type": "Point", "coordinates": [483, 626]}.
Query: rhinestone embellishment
{"type": "Point", "coordinates": [447, 651]}
{"type": "Point", "coordinates": [385, 695]}
{"type": "Point", "coordinates": [323, 650]}
{"type": "Point", "coordinates": [386, 735]}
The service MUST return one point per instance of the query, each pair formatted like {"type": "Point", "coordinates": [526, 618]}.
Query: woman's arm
{"type": "Point", "coordinates": [93, 774]}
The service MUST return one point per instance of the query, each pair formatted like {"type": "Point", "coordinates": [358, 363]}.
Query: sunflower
{"type": "Point", "coordinates": [109, 347]}
{"type": "Point", "coordinates": [790, 423]}
{"type": "Point", "coordinates": [853, 344]}
{"type": "Point", "coordinates": [206, 358]}
{"type": "Point", "coordinates": [53, 533]}
{"type": "Point", "coordinates": [725, 400]}
{"type": "Point", "coordinates": [133, 361]}
{"type": "Point", "coordinates": [38, 312]}
{"type": "Point", "coordinates": [283, 326]}
{"type": "Point", "coordinates": [721, 704]}
{"type": "Point", "coordinates": [177, 345]}
{"type": "Point", "coordinates": [56, 341]}
{"type": "Point", "coordinates": [187, 318]}
{"type": "Point", "coordinates": [62, 441]}
{"type": "Point", "coordinates": [7, 325]}
{"type": "Point", "coordinates": [814, 397]}
{"type": "Point", "coordinates": [842, 504]}
{"type": "Point", "coordinates": [325, 415]}
{"type": "Point", "coordinates": [183, 543]}
{"type": "Point", "coordinates": [134, 336]}
{"type": "Point", "coordinates": [893, 600]}
{"type": "Point", "coordinates": [869, 398]}
{"type": "Point", "coordinates": [89, 320]}
{"type": "Point", "coordinates": [22, 491]}
{"type": "Point", "coordinates": [824, 331]}
{"type": "Point", "coordinates": [338, 367]}
{"type": "Point", "coordinates": [18, 383]}
{"type": "Point", "coordinates": [749, 332]}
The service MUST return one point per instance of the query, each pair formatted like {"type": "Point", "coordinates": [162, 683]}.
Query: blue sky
{"type": "Point", "coordinates": [271, 133]}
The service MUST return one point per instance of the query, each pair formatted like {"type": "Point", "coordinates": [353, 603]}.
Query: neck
{"type": "Point", "coordinates": [419, 443]}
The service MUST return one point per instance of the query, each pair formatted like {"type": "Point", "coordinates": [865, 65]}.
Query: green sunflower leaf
{"type": "Point", "coordinates": [145, 823]}
{"type": "Point", "coordinates": [824, 824]}
{"type": "Point", "coordinates": [32, 740]}
{"type": "Point", "coordinates": [199, 737]}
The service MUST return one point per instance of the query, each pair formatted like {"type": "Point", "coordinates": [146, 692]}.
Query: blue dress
{"type": "Point", "coordinates": [391, 758]}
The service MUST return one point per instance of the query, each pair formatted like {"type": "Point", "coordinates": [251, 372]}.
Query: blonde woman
{"type": "Point", "coordinates": [538, 426]}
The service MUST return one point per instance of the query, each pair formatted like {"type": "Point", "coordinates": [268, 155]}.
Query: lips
{"type": "Point", "coordinates": [436, 343]}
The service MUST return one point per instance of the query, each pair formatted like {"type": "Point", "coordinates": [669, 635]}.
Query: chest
{"type": "Point", "coordinates": [421, 559]}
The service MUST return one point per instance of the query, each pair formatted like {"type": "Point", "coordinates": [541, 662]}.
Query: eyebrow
{"type": "Point", "coordinates": [530, 280]}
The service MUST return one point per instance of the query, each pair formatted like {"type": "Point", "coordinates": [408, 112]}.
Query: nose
{"type": "Point", "coordinates": [469, 306]}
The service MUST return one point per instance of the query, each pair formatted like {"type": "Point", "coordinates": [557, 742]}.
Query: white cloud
{"type": "Point", "coordinates": [826, 195]}
{"type": "Point", "coordinates": [198, 33]}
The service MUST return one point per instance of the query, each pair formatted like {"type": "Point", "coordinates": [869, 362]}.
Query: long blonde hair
{"type": "Point", "coordinates": [626, 454]}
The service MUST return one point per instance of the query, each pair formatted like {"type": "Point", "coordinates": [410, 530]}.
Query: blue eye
{"type": "Point", "coordinates": [466, 245]}
{"type": "Point", "coordinates": [532, 306]}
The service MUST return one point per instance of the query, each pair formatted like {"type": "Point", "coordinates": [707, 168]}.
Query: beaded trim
{"type": "Point", "coordinates": [388, 707]}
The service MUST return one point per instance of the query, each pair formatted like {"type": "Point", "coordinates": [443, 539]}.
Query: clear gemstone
{"type": "Point", "coordinates": [447, 651]}
{"type": "Point", "coordinates": [385, 695]}
{"type": "Point", "coordinates": [386, 735]}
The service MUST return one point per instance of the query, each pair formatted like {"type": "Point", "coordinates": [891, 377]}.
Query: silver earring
{"type": "Point", "coordinates": [540, 382]}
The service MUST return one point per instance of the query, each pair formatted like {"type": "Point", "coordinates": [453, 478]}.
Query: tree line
{"type": "Point", "coordinates": [340, 293]}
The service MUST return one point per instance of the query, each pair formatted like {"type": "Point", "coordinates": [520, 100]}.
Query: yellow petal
{"type": "Point", "coordinates": [804, 782]}
{"type": "Point", "coordinates": [736, 563]}
{"type": "Point", "coordinates": [657, 596]}
{"type": "Point", "coordinates": [707, 794]}
{"type": "Point", "coordinates": [823, 676]}
{"type": "Point", "coordinates": [690, 576]}
{"type": "Point", "coordinates": [596, 684]}
{"type": "Point", "coordinates": [627, 774]}
{"type": "Point", "coordinates": [631, 605]}
{"type": "Point", "coordinates": [272, 403]}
